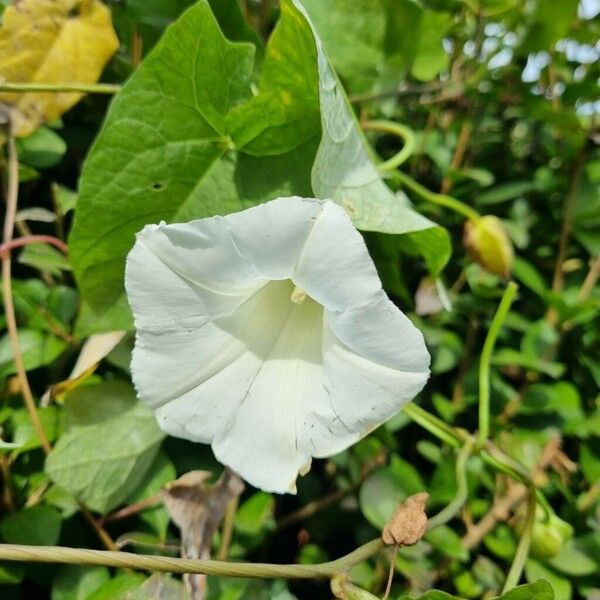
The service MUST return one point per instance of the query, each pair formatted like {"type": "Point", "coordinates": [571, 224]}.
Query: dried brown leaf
{"type": "Point", "coordinates": [197, 508]}
{"type": "Point", "coordinates": [408, 523]}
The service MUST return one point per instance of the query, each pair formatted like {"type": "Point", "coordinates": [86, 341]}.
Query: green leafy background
{"type": "Point", "coordinates": [235, 103]}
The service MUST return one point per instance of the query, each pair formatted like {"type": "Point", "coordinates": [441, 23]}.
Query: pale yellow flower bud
{"type": "Point", "coordinates": [487, 242]}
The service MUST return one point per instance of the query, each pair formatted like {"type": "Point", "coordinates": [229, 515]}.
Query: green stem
{"type": "Point", "coordinates": [440, 199]}
{"type": "Point", "coordinates": [356, 556]}
{"type": "Point", "coordinates": [397, 129]}
{"type": "Point", "coordinates": [516, 568]}
{"type": "Point", "coordinates": [504, 465]}
{"type": "Point", "coordinates": [491, 455]}
{"type": "Point", "coordinates": [486, 356]}
{"type": "Point", "coordinates": [391, 166]}
{"type": "Point", "coordinates": [82, 88]}
{"type": "Point", "coordinates": [167, 564]}
{"type": "Point", "coordinates": [435, 426]}
{"type": "Point", "coordinates": [495, 458]}
{"type": "Point", "coordinates": [462, 492]}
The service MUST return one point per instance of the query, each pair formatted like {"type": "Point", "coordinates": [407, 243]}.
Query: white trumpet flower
{"type": "Point", "coordinates": [267, 334]}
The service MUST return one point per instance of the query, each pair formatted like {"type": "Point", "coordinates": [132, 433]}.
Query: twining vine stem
{"type": "Point", "coordinates": [390, 167]}
{"type": "Point", "coordinates": [12, 195]}
{"type": "Point", "coordinates": [403, 132]}
{"type": "Point", "coordinates": [53, 88]}
{"type": "Point", "coordinates": [486, 356]}
{"type": "Point", "coordinates": [440, 199]}
{"type": "Point", "coordinates": [462, 491]}
{"type": "Point", "coordinates": [167, 564]}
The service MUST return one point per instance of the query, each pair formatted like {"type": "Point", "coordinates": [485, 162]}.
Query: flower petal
{"type": "Point", "coordinates": [164, 298]}
{"type": "Point", "coordinates": [271, 235]}
{"type": "Point", "coordinates": [189, 356]}
{"type": "Point", "coordinates": [262, 443]}
{"type": "Point", "coordinates": [375, 361]}
{"type": "Point", "coordinates": [380, 332]}
{"type": "Point", "coordinates": [335, 267]}
{"type": "Point", "coordinates": [249, 396]}
{"type": "Point", "coordinates": [383, 367]}
{"type": "Point", "coordinates": [203, 252]}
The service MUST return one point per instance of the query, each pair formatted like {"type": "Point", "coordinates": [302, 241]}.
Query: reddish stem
{"type": "Point", "coordinates": [33, 239]}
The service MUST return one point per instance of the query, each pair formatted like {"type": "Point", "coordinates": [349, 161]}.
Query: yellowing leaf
{"type": "Point", "coordinates": [95, 348]}
{"type": "Point", "coordinates": [51, 41]}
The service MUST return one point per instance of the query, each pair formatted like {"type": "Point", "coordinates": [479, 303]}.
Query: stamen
{"type": "Point", "coordinates": [298, 295]}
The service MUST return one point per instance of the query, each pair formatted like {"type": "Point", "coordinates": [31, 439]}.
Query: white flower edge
{"type": "Point", "coordinates": [267, 334]}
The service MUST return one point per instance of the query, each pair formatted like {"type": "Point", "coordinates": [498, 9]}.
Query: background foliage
{"type": "Point", "coordinates": [501, 97]}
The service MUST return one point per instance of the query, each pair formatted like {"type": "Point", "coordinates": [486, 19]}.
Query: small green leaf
{"type": "Point", "coordinates": [45, 258]}
{"type": "Point", "coordinates": [589, 459]}
{"type": "Point", "coordinates": [11, 574]}
{"type": "Point", "coordinates": [549, 23]}
{"type": "Point", "coordinates": [540, 339]}
{"type": "Point", "coordinates": [160, 473]}
{"type": "Point", "coordinates": [37, 347]}
{"type": "Point", "coordinates": [412, 482]}
{"type": "Point", "coordinates": [102, 463]}
{"type": "Point", "coordinates": [488, 573]}
{"type": "Point", "coordinates": [448, 542]}
{"type": "Point", "coordinates": [62, 303]}
{"type": "Point", "coordinates": [508, 357]}
{"type": "Point", "coordinates": [432, 595]}
{"type": "Point", "coordinates": [561, 398]}
{"type": "Point", "coordinates": [42, 149]}
{"type": "Point", "coordinates": [579, 556]}
{"type": "Point", "coordinates": [430, 57]}
{"type": "Point", "coordinates": [65, 502]}
{"type": "Point", "coordinates": [38, 526]}
{"type": "Point", "coordinates": [118, 587]}
{"type": "Point", "coordinates": [506, 191]}
{"type": "Point", "coordinates": [379, 496]}
{"type": "Point", "coordinates": [561, 585]}
{"type": "Point", "coordinates": [255, 514]}
{"type": "Point", "coordinates": [540, 590]}
{"type": "Point", "coordinates": [312, 554]}
{"type": "Point", "coordinates": [159, 586]}
{"type": "Point", "coordinates": [65, 198]}
{"type": "Point", "coordinates": [78, 582]}
{"type": "Point", "coordinates": [586, 220]}
{"type": "Point", "coordinates": [442, 487]}
{"type": "Point", "coordinates": [501, 541]}
{"type": "Point", "coordinates": [25, 435]}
